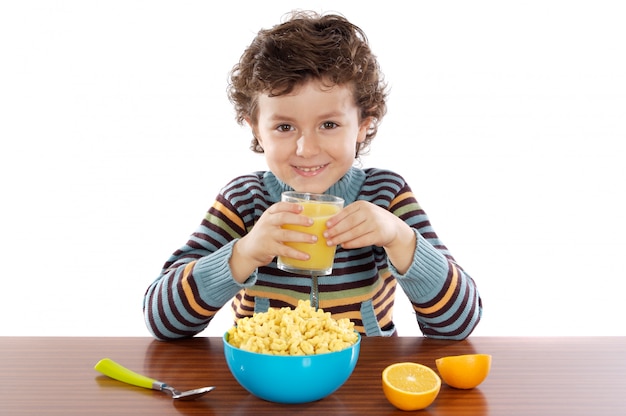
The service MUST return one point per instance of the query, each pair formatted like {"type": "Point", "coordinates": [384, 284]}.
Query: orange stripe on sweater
{"type": "Point", "coordinates": [189, 293]}
{"type": "Point", "coordinates": [401, 197]}
{"type": "Point", "coordinates": [274, 295]}
{"type": "Point", "coordinates": [385, 298]}
{"type": "Point", "coordinates": [229, 214]}
{"type": "Point", "coordinates": [446, 298]}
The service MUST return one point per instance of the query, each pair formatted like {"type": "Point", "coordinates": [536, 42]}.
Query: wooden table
{"type": "Point", "coordinates": [529, 376]}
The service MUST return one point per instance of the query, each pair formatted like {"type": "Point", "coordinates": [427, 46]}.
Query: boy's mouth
{"type": "Point", "coordinates": [310, 170]}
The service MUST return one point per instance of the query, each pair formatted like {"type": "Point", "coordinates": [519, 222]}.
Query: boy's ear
{"type": "Point", "coordinates": [253, 128]}
{"type": "Point", "coordinates": [363, 128]}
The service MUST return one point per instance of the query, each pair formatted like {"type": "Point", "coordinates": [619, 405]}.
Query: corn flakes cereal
{"type": "Point", "coordinates": [299, 331]}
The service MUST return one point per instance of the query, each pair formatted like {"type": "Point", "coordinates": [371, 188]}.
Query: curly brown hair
{"type": "Point", "coordinates": [309, 45]}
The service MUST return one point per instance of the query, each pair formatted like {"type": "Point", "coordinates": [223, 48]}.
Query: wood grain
{"type": "Point", "coordinates": [529, 376]}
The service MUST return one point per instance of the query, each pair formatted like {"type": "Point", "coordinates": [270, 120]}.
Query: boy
{"type": "Point", "coordinates": [312, 93]}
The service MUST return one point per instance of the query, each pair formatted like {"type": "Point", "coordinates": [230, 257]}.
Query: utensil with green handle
{"type": "Point", "coordinates": [118, 372]}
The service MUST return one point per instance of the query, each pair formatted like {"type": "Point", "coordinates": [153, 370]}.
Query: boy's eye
{"type": "Point", "coordinates": [284, 127]}
{"type": "Point", "coordinates": [329, 125]}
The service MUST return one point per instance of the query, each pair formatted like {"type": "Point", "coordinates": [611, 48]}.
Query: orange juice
{"type": "Point", "coordinates": [322, 256]}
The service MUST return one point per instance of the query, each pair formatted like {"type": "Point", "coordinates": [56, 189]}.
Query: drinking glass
{"type": "Point", "coordinates": [319, 207]}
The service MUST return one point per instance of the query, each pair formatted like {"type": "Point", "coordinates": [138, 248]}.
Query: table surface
{"type": "Point", "coordinates": [529, 376]}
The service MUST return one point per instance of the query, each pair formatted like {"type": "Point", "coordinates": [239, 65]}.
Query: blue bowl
{"type": "Point", "coordinates": [290, 378]}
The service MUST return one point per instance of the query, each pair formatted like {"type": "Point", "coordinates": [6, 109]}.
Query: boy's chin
{"type": "Point", "coordinates": [313, 188]}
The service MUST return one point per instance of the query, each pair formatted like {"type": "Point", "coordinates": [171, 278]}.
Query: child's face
{"type": "Point", "coordinates": [309, 136]}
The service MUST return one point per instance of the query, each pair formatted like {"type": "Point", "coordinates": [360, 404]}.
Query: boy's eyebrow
{"type": "Point", "coordinates": [329, 115]}
{"type": "Point", "coordinates": [279, 117]}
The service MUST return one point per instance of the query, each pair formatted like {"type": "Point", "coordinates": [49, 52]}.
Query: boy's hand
{"type": "Point", "coordinates": [265, 240]}
{"type": "Point", "coordinates": [362, 224]}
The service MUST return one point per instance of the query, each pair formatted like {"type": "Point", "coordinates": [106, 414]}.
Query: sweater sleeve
{"type": "Point", "coordinates": [445, 299]}
{"type": "Point", "coordinates": [196, 281]}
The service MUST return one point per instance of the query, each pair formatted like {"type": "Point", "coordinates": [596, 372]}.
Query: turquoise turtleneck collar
{"type": "Point", "coordinates": [348, 187]}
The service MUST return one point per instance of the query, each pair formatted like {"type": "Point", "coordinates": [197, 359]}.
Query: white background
{"type": "Point", "coordinates": [507, 119]}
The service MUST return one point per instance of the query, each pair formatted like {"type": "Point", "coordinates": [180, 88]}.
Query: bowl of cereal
{"type": "Point", "coordinates": [292, 355]}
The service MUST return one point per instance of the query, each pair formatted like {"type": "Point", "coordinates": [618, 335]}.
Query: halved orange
{"type": "Point", "coordinates": [410, 386]}
{"type": "Point", "coordinates": [464, 371]}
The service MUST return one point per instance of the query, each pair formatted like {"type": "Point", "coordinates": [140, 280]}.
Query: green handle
{"type": "Point", "coordinates": [117, 371]}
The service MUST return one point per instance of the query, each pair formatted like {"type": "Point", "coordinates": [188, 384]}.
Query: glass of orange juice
{"type": "Point", "coordinates": [320, 207]}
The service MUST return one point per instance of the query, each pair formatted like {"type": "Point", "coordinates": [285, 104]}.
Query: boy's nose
{"type": "Point", "coordinates": [307, 146]}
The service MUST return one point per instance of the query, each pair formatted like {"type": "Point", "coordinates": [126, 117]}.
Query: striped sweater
{"type": "Point", "coordinates": [196, 282]}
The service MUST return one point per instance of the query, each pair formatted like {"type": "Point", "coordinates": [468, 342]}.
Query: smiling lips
{"type": "Point", "coordinates": [309, 170]}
